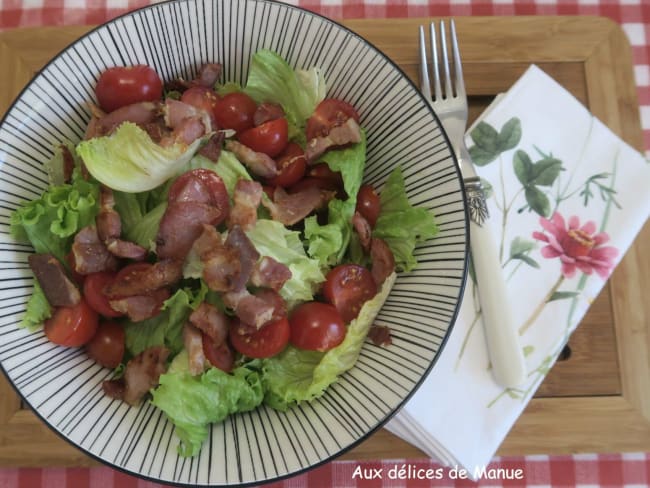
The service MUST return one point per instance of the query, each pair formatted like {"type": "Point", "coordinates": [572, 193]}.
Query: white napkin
{"type": "Point", "coordinates": [542, 153]}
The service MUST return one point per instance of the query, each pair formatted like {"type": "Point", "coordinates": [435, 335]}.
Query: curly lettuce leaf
{"type": "Point", "coordinates": [273, 239]}
{"type": "Point", "coordinates": [400, 224]}
{"type": "Point", "coordinates": [50, 222]}
{"type": "Point", "coordinates": [194, 402]}
{"type": "Point", "coordinates": [129, 160]}
{"type": "Point", "coordinates": [295, 375]}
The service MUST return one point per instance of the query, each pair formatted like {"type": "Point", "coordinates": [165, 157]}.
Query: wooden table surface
{"type": "Point", "coordinates": [598, 400]}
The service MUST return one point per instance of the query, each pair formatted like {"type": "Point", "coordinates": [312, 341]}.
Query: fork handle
{"type": "Point", "coordinates": [506, 354]}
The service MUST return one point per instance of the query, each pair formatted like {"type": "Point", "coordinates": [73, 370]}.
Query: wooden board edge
{"type": "Point", "coordinates": [613, 99]}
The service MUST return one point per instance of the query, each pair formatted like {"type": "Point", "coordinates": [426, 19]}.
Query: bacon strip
{"type": "Point", "coordinates": [140, 307]}
{"type": "Point", "coordinates": [208, 75]}
{"type": "Point", "coordinates": [248, 256]}
{"type": "Point", "coordinates": [291, 208]}
{"type": "Point", "coordinates": [176, 114]}
{"type": "Point", "coordinates": [247, 197]}
{"type": "Point", "coordinates": [362, 226]}
{"type": "Point", "coordinates": [267, 111]}
{"type": "Point", "coordinates": [269, 273]}
{"type": "Point", "coordinates": [193, 342]}
{"type": "Point", "coordinates": [109, 228]}
{"type": "Point", "coordinates": [383, 261]}
{"type": "Point", "coordinates": [181, 225]}
{"type": "Point", "coordinates": [90, 254]}
{"type": "Point", "coordinates": [211, 321]}
{"type": "Point", "coordinates": [221, 265]}
{"type": "Point", "coordinates": [380, 335]}
{"type": "Point", "coordinates": [249, 308]}
{"type": "Point", "coordinates": [141, 374]}
{"type": "Point", "coordinates": [59, 290]}
{"type": "Point", "coordinates": [340, 135]}
{"type": "Point", "coordinates": [258, 163]}
{"type": "Point", "coordinates": [212, 148]}
{"type": "Point", "coordinates": [146, 280]}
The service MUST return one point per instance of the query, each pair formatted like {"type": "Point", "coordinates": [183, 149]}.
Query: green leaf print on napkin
{"type": "Point", "coordinates": [489, 142]}
{"type": "Point", "coordinates": [531, 175]}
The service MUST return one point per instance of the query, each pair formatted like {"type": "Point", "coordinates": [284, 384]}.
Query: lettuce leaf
{"type": "Point", "coordinates": [401, 225]}
{"type": "Point", "coordinates": [273, 239]}
{"type": "Point", "coordinates": [166, 328]}
{"type": "Point", "coordinates": [38, 310]}
{"type": "Point", "coordinates": [138, 224]}
{"type": "Point", "coordinates": [295, 375]}
{"type": "Point", "coordinates": [129, 160]}
{"type": "Point", "coordinates": [271, 79]}
{"type": "Point", "coordinates": [194, 402]}
{"type": "Point", "coordinates": [50, 222]}
{"type": "Point", "coordinates": [328, 243]}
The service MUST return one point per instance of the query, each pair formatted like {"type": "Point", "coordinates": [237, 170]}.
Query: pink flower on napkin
{"type": "Point", "coordinates": [578, 247]}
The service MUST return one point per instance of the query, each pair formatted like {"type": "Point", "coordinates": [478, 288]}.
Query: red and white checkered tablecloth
{"type": "Point", "coordinates": [581, 470]}
{"type": "Point", "coordinates": [633, 15]}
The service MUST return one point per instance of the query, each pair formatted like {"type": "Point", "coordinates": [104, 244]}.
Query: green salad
{"type": "Point", "coordinates": [215, 244]}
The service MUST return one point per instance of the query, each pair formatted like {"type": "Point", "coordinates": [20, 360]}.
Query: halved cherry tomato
{"type": "Point", "coordinates": [291, 165]}
{"type": "Point", "coordinates": [107, 345]}
{"type": "Point", "coordinates": [368, 204]}
{"type": "Point", "coordinates": [235, 111]}
{"type": "Point", "coordinates": [268, 341]}
{"type": "Point", "coordinates": [220, 356]}
{"type": "Point", "coordinates": [94, 285]}
{"type": "Point", "coordinates": [196, 185]}
{"type": "Point", "coordinates": [348, 287]}
{"type": "Point", "coordinates": [202, 98]}
{"type": "Point", "coordinates": [316, 326]}
{"type": "Point", "coordinates": [120, 86]}
{"type": "Point", "coordinates": [329, 113]}
{"type": "Point", "coordinates": [269, 138]}
{"type": "Point", "coordinates": [72, 326]}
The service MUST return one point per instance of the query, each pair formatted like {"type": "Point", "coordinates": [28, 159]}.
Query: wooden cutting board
{"type": "Point", "coordinates": [598, 399]}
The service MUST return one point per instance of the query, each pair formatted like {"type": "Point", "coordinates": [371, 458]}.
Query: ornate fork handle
{"type": "Point", "coordinates": [476, 203]}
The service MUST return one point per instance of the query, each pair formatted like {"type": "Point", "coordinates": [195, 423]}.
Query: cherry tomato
{"type": "Point", "coordinates": [316, 326]}
{"type": "Point", "coordinates": [235, 111]}
{"type": "Point", "coordinates": [291, 164]}
{"type": "Point", "coordinates": [220, 356]}
{"type": "Point", "coordinates": [323, 178]}
{"type": "Point", "coordinates": [368, 204]}
{"type": "Point", "coordinates": [94, 285]}
{"type": "Point", "coordinates": [107, 345]}
{"type": "Point", "coordinates": [268, 341]}
{"type": "Point", "coordinates": [121, 86]}
{"type": "Point", "coordinates": [72, 326]}
{"type": "Point", "coordinates": [202, 98]}
{"type": "Point", "coordinates": [269, 138]}
{"type": "Point", "coordinates": [329, 113]}
{"type": "Point", "coordinates": [192, 186]}
{"type": "Point", "coordinates": [348, 287]}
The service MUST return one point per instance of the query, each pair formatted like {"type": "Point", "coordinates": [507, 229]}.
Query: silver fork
{"type": "Point", "coordinates": [449, 102]}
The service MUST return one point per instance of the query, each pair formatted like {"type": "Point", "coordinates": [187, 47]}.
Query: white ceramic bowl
{"type": "Point", "coordinates": [63, 386]}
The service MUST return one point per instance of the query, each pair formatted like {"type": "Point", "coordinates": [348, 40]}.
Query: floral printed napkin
{"type": "Point", "coordinates": [566, 199]}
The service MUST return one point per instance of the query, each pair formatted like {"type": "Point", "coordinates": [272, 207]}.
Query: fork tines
{"type": "Point", "coordinates": [439, 50]}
